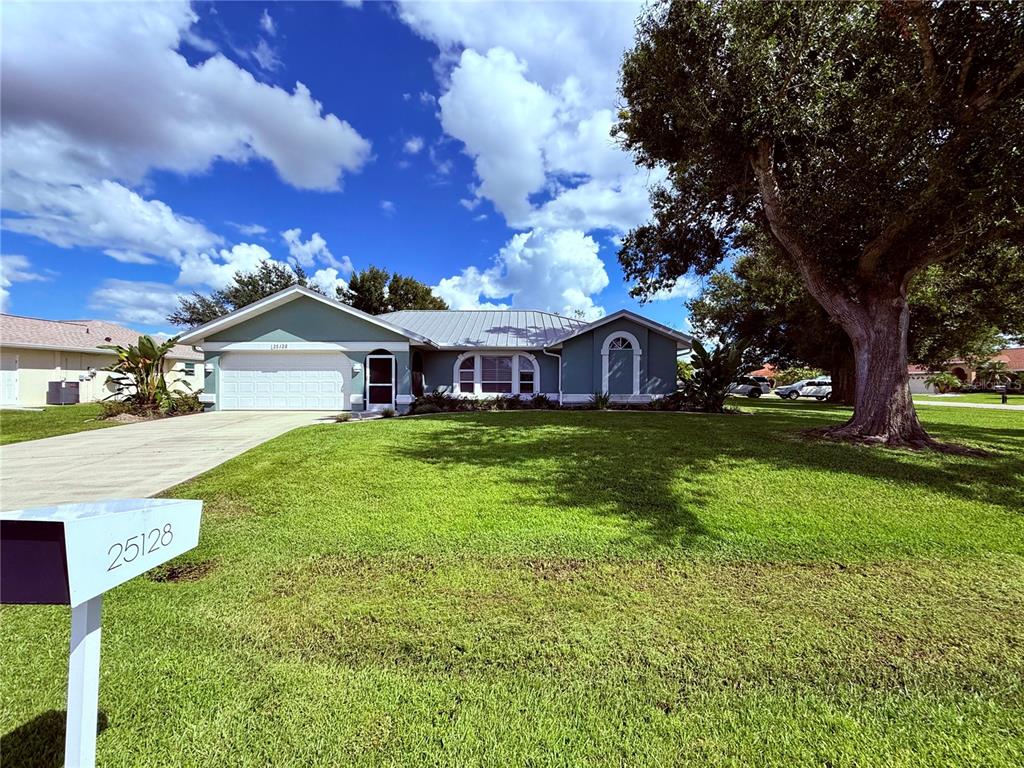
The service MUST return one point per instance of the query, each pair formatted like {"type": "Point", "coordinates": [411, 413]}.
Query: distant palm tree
{"type": "Point", "coordinates": [992, 372]}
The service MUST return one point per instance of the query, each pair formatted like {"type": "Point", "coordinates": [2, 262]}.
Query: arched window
{"type": "Point", "coordinates": [467, 375]}
{"type": "Point", "coordinates": [620, 342]}
{"type": "Point", "coordinates": [494, 375]}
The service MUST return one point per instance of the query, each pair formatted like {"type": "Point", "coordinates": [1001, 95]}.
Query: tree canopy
{"type": "Point", "coordinates": [960, 309]}
{"type": "Point", "coordinates": [867, 141]}
{"type": "Point", "coordinates": [246, 287]}
{"type": "Point", "coordinates": [376, 291]}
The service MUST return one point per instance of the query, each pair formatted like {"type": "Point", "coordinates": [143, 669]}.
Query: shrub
{"type": "Point", "coordinates": [542, 402]}
{"type": "Point", "coordinates": [181, 403]}
{"type": "Point", "coordinates": [599, 401]}
{"type": "Point", "coordinates": [943, 382]}
{"type": "Point", "coordinates": [387, 413]}
{"type": "Point", "coordinates": [111, 408]}
{"type": "Point", "coordinates": [713, 372]}
{"type": "Point", "coordinates": [442, 401]}
{"type": "Point", "coordinates": [341, 418]}
{"type": "Point", "coordinates": [425, 408]}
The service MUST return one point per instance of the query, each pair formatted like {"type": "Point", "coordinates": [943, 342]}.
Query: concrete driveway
{"type": "Point", "coordinates": [134, 460]}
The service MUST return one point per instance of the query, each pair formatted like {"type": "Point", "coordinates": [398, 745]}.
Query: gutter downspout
{"type": "Point", "coordinates": [557, 356]}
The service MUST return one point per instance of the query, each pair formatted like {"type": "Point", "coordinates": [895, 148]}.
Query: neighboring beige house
{"type": "Point", "coordinates": [34, 353]}
{"type": "Point", "coordinates": [1012, 356]}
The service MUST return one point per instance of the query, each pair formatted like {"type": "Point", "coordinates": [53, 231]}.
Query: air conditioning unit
{"type": "Point", "coordinates": [62, 393]}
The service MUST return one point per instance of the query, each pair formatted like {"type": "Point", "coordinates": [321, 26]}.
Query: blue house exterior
{"type": "Point", "coordinates": [298, 350]}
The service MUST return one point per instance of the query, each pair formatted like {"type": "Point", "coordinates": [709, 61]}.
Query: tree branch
{"type": "Point", "coordinates": [929, 66]}
{"type": "Point", "coordinates": [831, 297]}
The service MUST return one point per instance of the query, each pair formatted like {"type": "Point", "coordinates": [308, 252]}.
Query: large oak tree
{"type": "Point", "coordinates": [962, 308]}
{"type": "Point", "coordinates": [867, 140]}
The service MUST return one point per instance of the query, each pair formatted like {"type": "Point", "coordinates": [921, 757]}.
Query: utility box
{"type": "Point", "coordinates": [62, 393]}
{"type": "Point", "coordinates": [70, 555]}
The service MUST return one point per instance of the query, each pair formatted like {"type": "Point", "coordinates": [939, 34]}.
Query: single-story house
{"type": "Point", "coordinates": [298, 349]}
{"type": "Point", "coordinates": [1013, 357]}
{"type": "Point", "coordinates": [36, 354]}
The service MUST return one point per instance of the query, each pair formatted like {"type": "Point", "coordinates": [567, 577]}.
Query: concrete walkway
{"type": "Point", "coordinates": [134, 460]}
{"type": "Point", "coordinates": [954, 404]}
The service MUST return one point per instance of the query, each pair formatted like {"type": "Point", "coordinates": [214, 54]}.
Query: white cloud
{"type": "Point", "coordinates": [266, 56]}
{"type": "Point", "coordinates": [503, 119]}
{"type": "Point", "coordinates": [314, 250]}
{"type": "Point", "coordinates": [413, 146]}
{"type": "Point", "coordinates": [218, 270]}
{"type": "Point", "coordinates": [129, 257]}
{"type": "Point", "coordinates": [554, 271]}
{"type": "Point", "coordinates": [685, 288]}
{"type": "Point", "coordinates": [558, 40]}
{"type": "Point", "coordinates": [15, 268]}
{"type": "Point", "coordinates": [328, 280]}
{"type": "Point", "coordinates": [81, 127]}
{"type": "Point", "coordinates": [267, 23]}
{"type": "Point", "coordinates": [136, 301]}
{"type": "Point", "coordinates": [104, 215]}
{"type": "Point", "coordinates": [533, 102]}
{"type": "Point", "coordinates": [388, 207]}
{"type": "Point", "coordinates": [249, 230]}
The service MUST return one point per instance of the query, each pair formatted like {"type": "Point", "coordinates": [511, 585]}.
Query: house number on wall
{"type": "Point", "coordinates": [279, 346]}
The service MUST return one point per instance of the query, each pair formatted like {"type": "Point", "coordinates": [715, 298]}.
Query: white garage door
{"type": "Point", "coordinates": [281, 381]}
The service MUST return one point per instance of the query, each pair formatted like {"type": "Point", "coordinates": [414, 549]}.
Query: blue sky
{"type": "Point", "coordinates": [152, 149]}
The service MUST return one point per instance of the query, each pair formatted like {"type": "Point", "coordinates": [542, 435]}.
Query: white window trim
{"type": "Point", "coordinates": [476, 355]}
{"type": "Point", "coordinates": [637, 352]}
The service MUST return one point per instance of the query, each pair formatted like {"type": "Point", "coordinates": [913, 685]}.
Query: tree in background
{"type": "Point", "coordinates": [964, 309]}
{"type": "Point", "coordinates": [868, 141]}
{"type": "Point", "coordinates": [246, 287]}
{"type": "Point", "coordinates": [375, 291]}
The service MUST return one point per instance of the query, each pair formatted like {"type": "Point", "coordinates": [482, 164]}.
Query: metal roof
{"type": "Point", "coordinates": [501, 329]}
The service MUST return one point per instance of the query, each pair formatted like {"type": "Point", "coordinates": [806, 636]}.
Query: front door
{"type": "Point", "coordinates": [380, 382]}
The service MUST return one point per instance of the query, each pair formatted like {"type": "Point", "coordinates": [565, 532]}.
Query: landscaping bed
{"type": "Point", "coordinates": [566, 588]}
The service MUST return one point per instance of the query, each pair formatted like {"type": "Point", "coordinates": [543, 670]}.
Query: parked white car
{"type": "Point", "coordinates": [792, 391]}
{"type": "Point", "coordinates": [819, 389]}
{"type": "Point", "coordinates": [750, 386]}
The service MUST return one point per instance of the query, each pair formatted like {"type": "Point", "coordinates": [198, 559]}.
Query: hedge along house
{"type": "Point", "coordinates": [299, 350]}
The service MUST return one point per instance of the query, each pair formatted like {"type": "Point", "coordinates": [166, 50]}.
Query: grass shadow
{"type": "Point", "coordinates": [580, 463]}
{"type": "Point", "coordinates": [39, 743]}
{"type": "Point", "coordinates": [656, 470]}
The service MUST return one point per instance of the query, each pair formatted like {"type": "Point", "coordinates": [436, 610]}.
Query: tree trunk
{"type": "Point", "coordinates": [883, 410]}
{"type": "Point", "coordinates": [843, 371]}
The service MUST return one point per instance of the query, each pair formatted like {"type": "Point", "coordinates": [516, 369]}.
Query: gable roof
{"type": "Point", "coordinates": [74, 335]}
{"type": "Point", "coordinates": [501, 329]}
{"type": "Point", "coordinates": [197, 334]}
{"type": "Point", "coordinates": [683, 340]}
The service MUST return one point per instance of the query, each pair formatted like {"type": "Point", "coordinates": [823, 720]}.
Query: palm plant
{"type": "Point", "coordinates": [139, 374]}
{"type": "Point", "coordinates": [713, 372]}
{"type": "Point", "coordinates": [943, 382]}
{"type": "Point", "coordinates": [992, 372]}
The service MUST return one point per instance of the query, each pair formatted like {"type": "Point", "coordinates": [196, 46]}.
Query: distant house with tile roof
{"type": "Point", "coordinates": [35, 353]}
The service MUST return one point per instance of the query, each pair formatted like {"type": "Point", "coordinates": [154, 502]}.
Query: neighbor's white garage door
{"type": "Point", "coordinates": [289, 381]}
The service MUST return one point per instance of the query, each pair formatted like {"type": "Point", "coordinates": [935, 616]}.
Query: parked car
{"type": "Point", "coordinates": [792, 391]}
{"type": "Point", "coordinates": [750, 386]}
{"type": "Point", "coordinates": [819, 389]}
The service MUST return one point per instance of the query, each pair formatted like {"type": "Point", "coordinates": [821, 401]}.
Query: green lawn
{"type": "Point", "coordinates": [507, 589]}
{"type": "Point", "coordinates": [16, 426]}
{"type": "Point", "coordinates": [975, 397]}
